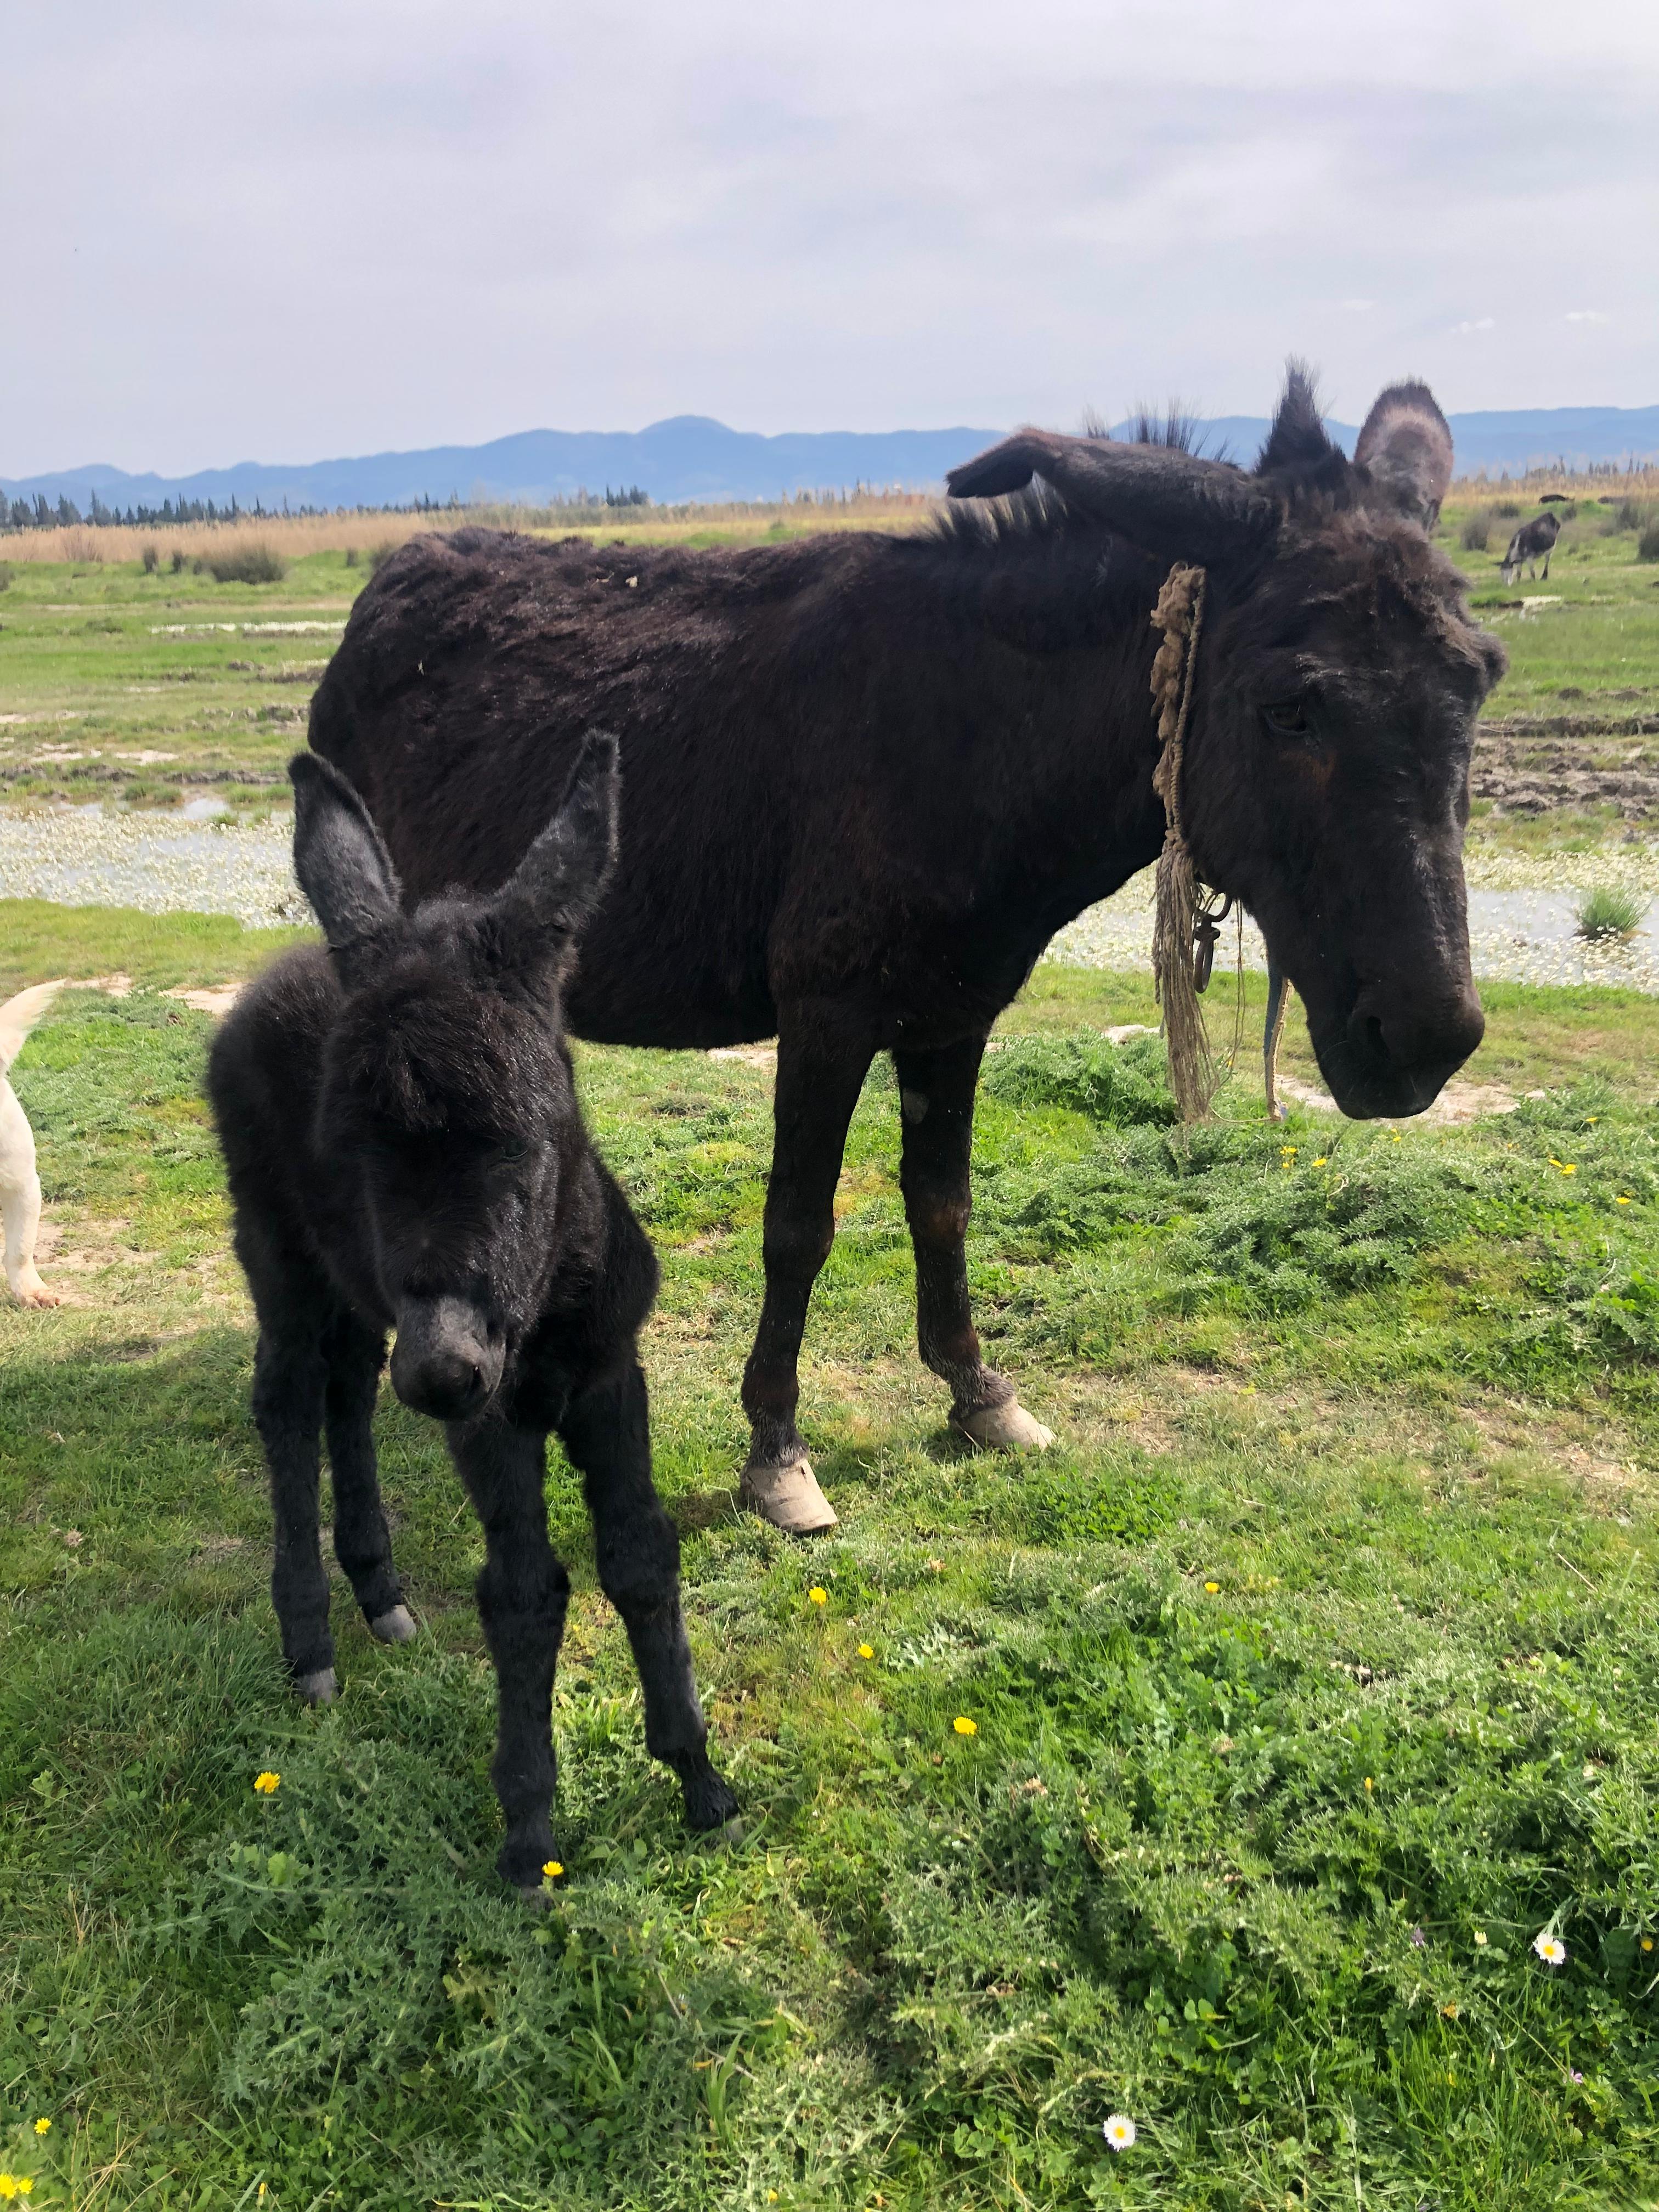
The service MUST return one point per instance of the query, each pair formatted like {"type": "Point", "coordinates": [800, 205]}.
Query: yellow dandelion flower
{"type": "Point", "coordinates": [1565, 1166]}
{"type": "Point", "coordinates": [1321, 1161]}
{"type": "Point", "coordinates": [1394, 1133]}
{"type": "Point", "coordinates": [771, 2195]}
{"type": "Point", "coordinates": [1621, 1201]}
{"type": "Point", "coordinates": [1212, 1588]}
{"type": "Point", "coordinates": [866, 1651]}
{"type": "Point", "coordinates": [1647, 1942]}
{"type": "Point", "coordinates": [8, 2185]}
{"type": "Point", "coordinates": [818, 1597]}
{"type": "Point", "coordinates": [43, 2126]}
{"type": "Point", "coordinates": [553, 1870]}
{"type": "Point", "coordinates": [1369, 1784]}
{"type": "Point", "coordinates": [963, 1726]}
{"type": "Point", "coordinates": [267, 1784]}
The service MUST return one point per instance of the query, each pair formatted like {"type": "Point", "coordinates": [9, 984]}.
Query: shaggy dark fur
{"type": "Point", "coordinates": [405, 1149]}
{"type": "Point", "coordinates": [869, 777]}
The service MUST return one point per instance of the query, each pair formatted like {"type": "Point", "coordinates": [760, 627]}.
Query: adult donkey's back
{"type": "Point", "coordinates": [868, 778]}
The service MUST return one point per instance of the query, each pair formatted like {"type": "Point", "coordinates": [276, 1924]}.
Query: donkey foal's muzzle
{"type": "Point", "coordinates": [444, 1363]}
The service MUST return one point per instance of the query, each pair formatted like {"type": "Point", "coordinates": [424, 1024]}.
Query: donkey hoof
{"type": "Point", "coordinates": [710, 1801]}
{"type": "Point", "coordinates": [788, 1496]}
{"type": "Point", "coordinates": [321, 1688]}
{"type": "Point", "coordinates": [1007, 1427]}
{"type": "Point", "coordinates": [394, 1627]}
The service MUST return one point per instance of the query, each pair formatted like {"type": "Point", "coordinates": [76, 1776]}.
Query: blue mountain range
{"type": "Point", "coordinates": [691, 457]}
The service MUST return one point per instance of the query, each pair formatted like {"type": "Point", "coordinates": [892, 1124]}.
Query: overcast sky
{"type": "Point", "coordinates": [235, 232]}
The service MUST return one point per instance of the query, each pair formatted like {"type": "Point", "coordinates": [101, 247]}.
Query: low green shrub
{"type": "Point", "coordinates": [151, 558]}
{"type": "Point", "coordinates": [1611, 912]}
{"type": "Point", "coordinates": [1477, 531]}
{"type": "Point", "coordinates": [247, 564]}
{"type": "Point", "coordinates": [1125, 1085]}
{"type": "Point", "coordinates": [1647, 545]}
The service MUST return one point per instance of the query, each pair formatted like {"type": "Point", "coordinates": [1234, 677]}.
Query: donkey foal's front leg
{"type": "Point", "coordinates": [363, 1543]}
{"type": "Point", "coordinates": [606, 1431]}
{"type": "Point", "coordinates": [523, 1593]}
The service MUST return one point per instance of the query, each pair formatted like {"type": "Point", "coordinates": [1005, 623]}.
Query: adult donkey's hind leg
{"type": "Point", "coordinates": [523, 1593]}
{"type": "Point", "coordinates": [822, 1059]}
{"type": "Point", "coordinates": [363, 1543]}
{"type": "Point", "coordinates": [936, 1099]}
{"type": "Point", "coordinates": [606, 1431]}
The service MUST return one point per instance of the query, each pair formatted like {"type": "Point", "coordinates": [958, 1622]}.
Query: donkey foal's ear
{"type": "Point", "coordinates": [343, 863]}
{"type": "Point", "coordinates": [557, 883]}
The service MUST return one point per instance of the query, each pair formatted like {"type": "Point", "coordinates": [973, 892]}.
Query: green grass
{"type": "Point", "coordinates": [1593, 655]}
{"type": "Point", "coordinates": [129, 687]}
{"type": "Point", "coordinates": [1611, 911]}
{"type": "Point", "coordinates": [1328, 1623]}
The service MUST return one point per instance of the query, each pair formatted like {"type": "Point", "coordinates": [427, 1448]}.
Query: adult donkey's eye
{"type": "Point", "coordinates": [1287, 718]}
{"type": "Point", "coordinates": [514, 1149]}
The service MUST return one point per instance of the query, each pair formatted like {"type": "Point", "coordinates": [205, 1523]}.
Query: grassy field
{"type": "Point", "coordinates": [140, 689]}
{"type": "Point", "coordinates": [1310, 1676]}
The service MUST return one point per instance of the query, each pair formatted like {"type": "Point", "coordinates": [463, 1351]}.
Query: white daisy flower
{"type": "Point", "coordinates": [1550, 1948]}
{"type": "Point", "coordinates": [1119, 2131]}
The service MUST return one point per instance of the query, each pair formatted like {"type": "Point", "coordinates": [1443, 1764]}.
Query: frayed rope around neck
{"type": "Point", "coordinates": [1183, 928]}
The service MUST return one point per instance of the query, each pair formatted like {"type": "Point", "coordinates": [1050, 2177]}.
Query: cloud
{"type": "Point", "coordinates": [1585, 315]}
{"type": "Point", "coordinates": [404, 223]}
{"type": "Point", "coordinates": [1468, 329]}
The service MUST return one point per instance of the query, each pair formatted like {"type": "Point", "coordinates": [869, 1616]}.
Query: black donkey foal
{"type": "Point", "coordinates": [406, 1151]}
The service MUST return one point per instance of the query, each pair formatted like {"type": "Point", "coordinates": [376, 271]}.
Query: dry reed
{"type": "Point", "coordinates": [294, 536]}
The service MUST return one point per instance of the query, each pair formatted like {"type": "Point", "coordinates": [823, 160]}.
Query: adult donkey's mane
{"type": "Point", "coordinates": [869, 776]}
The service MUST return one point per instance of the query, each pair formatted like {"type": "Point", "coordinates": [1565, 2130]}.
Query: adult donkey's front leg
{"type": "Point", "coordinates": [936, 1099]}
{"type": "Point", "coordinates": [822, 1059]}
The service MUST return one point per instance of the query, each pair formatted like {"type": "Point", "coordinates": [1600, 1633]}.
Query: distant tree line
{"type": "Point", "coordinates": [41, 513]}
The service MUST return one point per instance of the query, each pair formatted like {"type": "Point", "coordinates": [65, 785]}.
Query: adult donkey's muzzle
{"type": "Point", "coordinates": [1396, 1047]}
{"type": "Point", "coordinates": [444, 1363]}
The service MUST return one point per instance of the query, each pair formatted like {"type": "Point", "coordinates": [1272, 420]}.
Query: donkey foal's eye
{"type": "Point", "coordinates": [515, 1150]}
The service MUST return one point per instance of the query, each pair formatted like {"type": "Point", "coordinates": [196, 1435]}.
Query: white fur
{"type": "Point", "coordinates": [19, 1185]}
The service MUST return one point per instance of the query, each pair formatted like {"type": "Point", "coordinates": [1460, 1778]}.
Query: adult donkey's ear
{"type": "Point", "coordinates": [1174, 504]}
{"type": "Point", "coordinates": [560, 880]}
{"type": "Point", "coordinates": [1406, 448]}
{"type": "Point", "coordinates": [342, 862]}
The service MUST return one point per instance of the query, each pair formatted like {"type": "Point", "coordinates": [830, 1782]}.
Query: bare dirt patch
{"type": "Point", "coordinates": [1533, 765]}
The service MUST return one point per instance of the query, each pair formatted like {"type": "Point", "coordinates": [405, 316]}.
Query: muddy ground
{"type": "Point", "coordinates": [1533, 765]}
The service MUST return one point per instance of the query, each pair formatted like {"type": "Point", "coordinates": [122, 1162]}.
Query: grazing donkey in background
{"type": "Point", "coordinates": [1532, 543]}
{"type": "Point", "coordinates": [20, 1185]}
{"type": "Point", "coordinates": [405, 1150]}
{"type": "Point", "coordinates": [868, 777]}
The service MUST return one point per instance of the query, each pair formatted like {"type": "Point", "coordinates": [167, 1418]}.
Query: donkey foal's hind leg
{"type": "Point", "coordinates": [289, 1379]}
{"type": "Point", "coordinates": [523, 1593]}
{"type": "Point", "coordinates": [606, 1431]}
{"type": "Point", "coordinates": [936, 1099]}
{"type": "Point", "coordinates": [363, 1543]}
